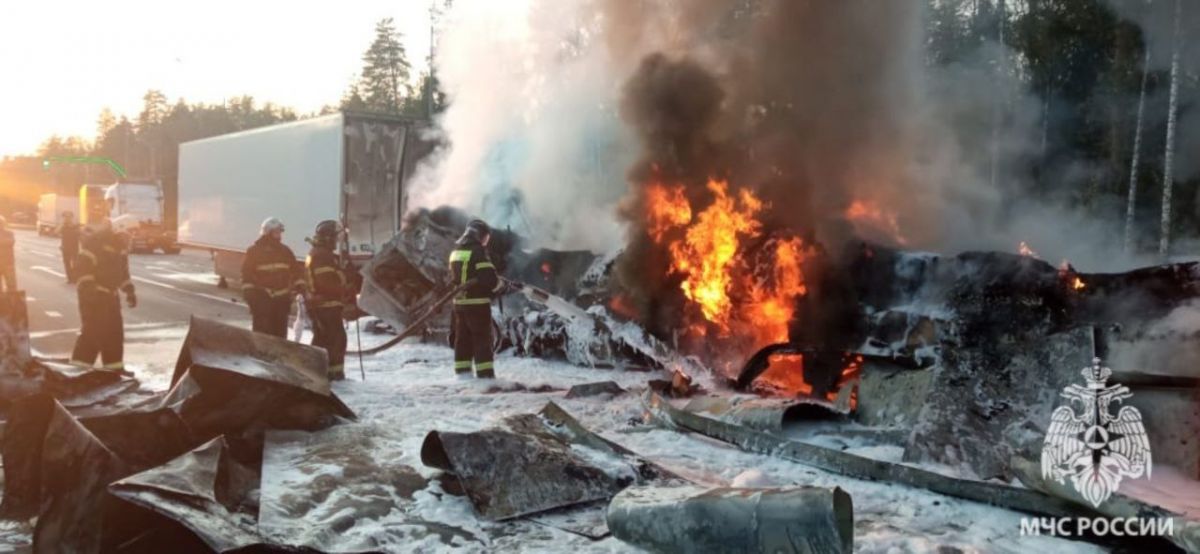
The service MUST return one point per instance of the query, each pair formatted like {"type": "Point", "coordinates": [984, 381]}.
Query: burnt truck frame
{"type": "Point", "coordinates": [351, 167]}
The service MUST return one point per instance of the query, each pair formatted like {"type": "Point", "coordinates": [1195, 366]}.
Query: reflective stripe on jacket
{"type": "Point", "coordinates": [470, 262]}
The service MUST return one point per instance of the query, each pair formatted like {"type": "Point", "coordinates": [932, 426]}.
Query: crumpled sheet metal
{"type": "Point", "coordinates": [232, 381]}
{"type": "Point", "coordinates": [257, 355]}
{"type": "Point", "coordinates": [858, 467]}
{"type": "Point", "coordinates": [764, 414]}
{"type": "Point", "coordinates": [534, 464]}
{"type": "Point", "coordinates": [802, 520]}
{"type": "Point", "coordinates": [57, 465]}
{"type": "Point", "coordinates": [76, 513]}
{"type": "Point", "coordinates": [205, 490]}
{"type": "Point", "coordinates": [21, 446]}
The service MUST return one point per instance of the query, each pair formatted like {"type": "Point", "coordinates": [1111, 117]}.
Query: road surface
{"type": "Point", "coordinates": [170, 289]}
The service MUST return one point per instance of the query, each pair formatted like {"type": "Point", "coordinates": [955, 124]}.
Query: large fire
{"type": "Point", "coordinates": [708, 250]}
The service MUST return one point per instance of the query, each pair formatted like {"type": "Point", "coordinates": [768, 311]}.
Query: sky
{"type": "Point", "coordinates": [61, 62]}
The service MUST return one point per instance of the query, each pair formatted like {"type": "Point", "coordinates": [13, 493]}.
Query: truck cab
{"type": "Point", "coordinates": [134, 208]}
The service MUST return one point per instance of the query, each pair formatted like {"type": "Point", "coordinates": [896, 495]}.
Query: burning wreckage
{"type": "Point", "coordinates": [958, 360]}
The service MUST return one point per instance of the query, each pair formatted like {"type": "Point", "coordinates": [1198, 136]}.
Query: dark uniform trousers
{"type": "Point", "coordinates": [330, 286]}
{"type": "Point", "coordinates": [473, 339]}
{"type": "Point", "coordinates": [269, 314]}
{"type": "Point", "coordinates": [102, 330]}
{"type": "Point", "coordinates": [330, 334]}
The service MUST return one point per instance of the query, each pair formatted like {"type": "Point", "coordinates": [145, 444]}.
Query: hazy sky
{"type": "Point", "coordinates": [61, 62]}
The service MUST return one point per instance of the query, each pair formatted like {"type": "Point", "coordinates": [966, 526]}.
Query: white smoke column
{"type": "Point", "coordinates": [533, 141]}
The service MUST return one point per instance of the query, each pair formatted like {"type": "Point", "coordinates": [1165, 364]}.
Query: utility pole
{"type": "Point", "coordinates": [1137, 150]}
{"type": "Point", "coordinates": [1164, 243]}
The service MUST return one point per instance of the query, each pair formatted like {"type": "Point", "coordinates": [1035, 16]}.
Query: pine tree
{"type": "Point", "coordinates": [384, 84]}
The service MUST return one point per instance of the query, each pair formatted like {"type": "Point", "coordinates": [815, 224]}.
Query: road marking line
{"type": "Point", "coordinates": [52, 313]}
{"type": "Point", "coordinates": [45, 269]}
{"type": "Point", "coordinates": [185, 291]}
{"type": "Point", "coordinates": [31, 299]}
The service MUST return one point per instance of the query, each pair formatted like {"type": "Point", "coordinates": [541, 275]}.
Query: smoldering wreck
{"type": "Point", "coordinates": [764, 287]}
{"type": "Point", "coordinates": [957, 359]}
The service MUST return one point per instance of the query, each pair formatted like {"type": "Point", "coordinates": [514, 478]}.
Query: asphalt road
{"type": "Point", "coordinates": [170, 289]}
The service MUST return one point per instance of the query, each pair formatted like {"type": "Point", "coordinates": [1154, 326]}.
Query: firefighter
{"type": "Point", "coordinates": [101, 270]}
{"type": "Point", "coordinates": [69, 232]}
{"type": "Point", "coordinates": [8, 261]}
{"type": "Point", "coordinates": [270, 278]}
{"type": "Point", "coordinates": [331, 293]}
{"type": "Point", "coordinates": [469, 263]}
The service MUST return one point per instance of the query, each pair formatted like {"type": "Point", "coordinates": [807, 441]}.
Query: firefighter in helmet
{"type": "Point", "coordinates": [271, 277]}
{"type": "Point", "coordinates": [470, 265]}
{"type": "Point", "coordinates": [101, 270]}
{"type": "Point", "coordinates": [332, 289]}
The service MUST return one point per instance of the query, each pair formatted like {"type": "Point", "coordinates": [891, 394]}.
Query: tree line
{"type": "Point", "coordinates": [147, 144]}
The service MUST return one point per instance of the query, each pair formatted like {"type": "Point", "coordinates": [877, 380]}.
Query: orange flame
{"type": "Point", "coordinates": [707, 254]}
{"type": "Point", "coordinates": [772, 309]}
{"type": "Point", "coordinates": [667, 208]}
{"type": "Point", "coordinates": [868, 215]}
{"type": "Point", "coordinates": [1077, 284]}
{"type": "Point", "coordinates": [709, 257]}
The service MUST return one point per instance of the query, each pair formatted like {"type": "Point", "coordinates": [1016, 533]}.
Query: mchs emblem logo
{"type": "Point", "coordinates": [1091, 446]}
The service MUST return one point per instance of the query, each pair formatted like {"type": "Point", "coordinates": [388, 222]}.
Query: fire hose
{"type": "Point", "coordinates": [556, 304]}
{"type": "Point", "coordinates": [416, 324]}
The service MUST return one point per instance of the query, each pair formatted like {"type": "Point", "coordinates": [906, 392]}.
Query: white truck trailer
{"type": "Point", "coordinates": [346, 167]}
{"type": "Point", "coordinates": [50, 211]}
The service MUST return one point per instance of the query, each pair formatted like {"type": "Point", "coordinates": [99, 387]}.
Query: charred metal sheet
{"type": "Point", "coordinates": [232, 381]}
{"type": "Point", "coordinates": [560, 422]}
{"type": "Point", "coordinates": [980, 406]}
{"type": "Point", "coordinates": [21, 446]}
{"type": "Point", "coordinates": [765, 414]}
{"type": "Point", "coordinates": [204, 490]}
{"type": "Point", "coordinates": [858, 467]}
{"type": "Point", "coordinates": [403, 277]}
{"type": "Point", "coordinates": [507, 475]}
{"type": "Point", "coordinates": [76, 514]}
{"type": "Point", "coordinates": [595, 389]}
{"type": "Point", "coordinates": [532, 466]}
{"type": "Point", "coordinates": [15, 355]}
{"type": "Point", "coordinates": [142, 439]}
{"type": "Point", "coordinates": [234, 349]}
{"type": "Point", "coordinates": [808, 520]}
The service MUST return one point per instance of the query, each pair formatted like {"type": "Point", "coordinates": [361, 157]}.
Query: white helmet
{"type": "Point", "coordinates": [271, 224]}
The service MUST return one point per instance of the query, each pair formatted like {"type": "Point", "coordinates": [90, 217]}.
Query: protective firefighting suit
{"type": "Point", "coordinates": [101, 270]}
{"type": "Point", "coordinates": [332, 292]}
{"type": "Point", "coordinates": [270, 278]}
{"type": "Point", "coordinates": [469, 263]}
